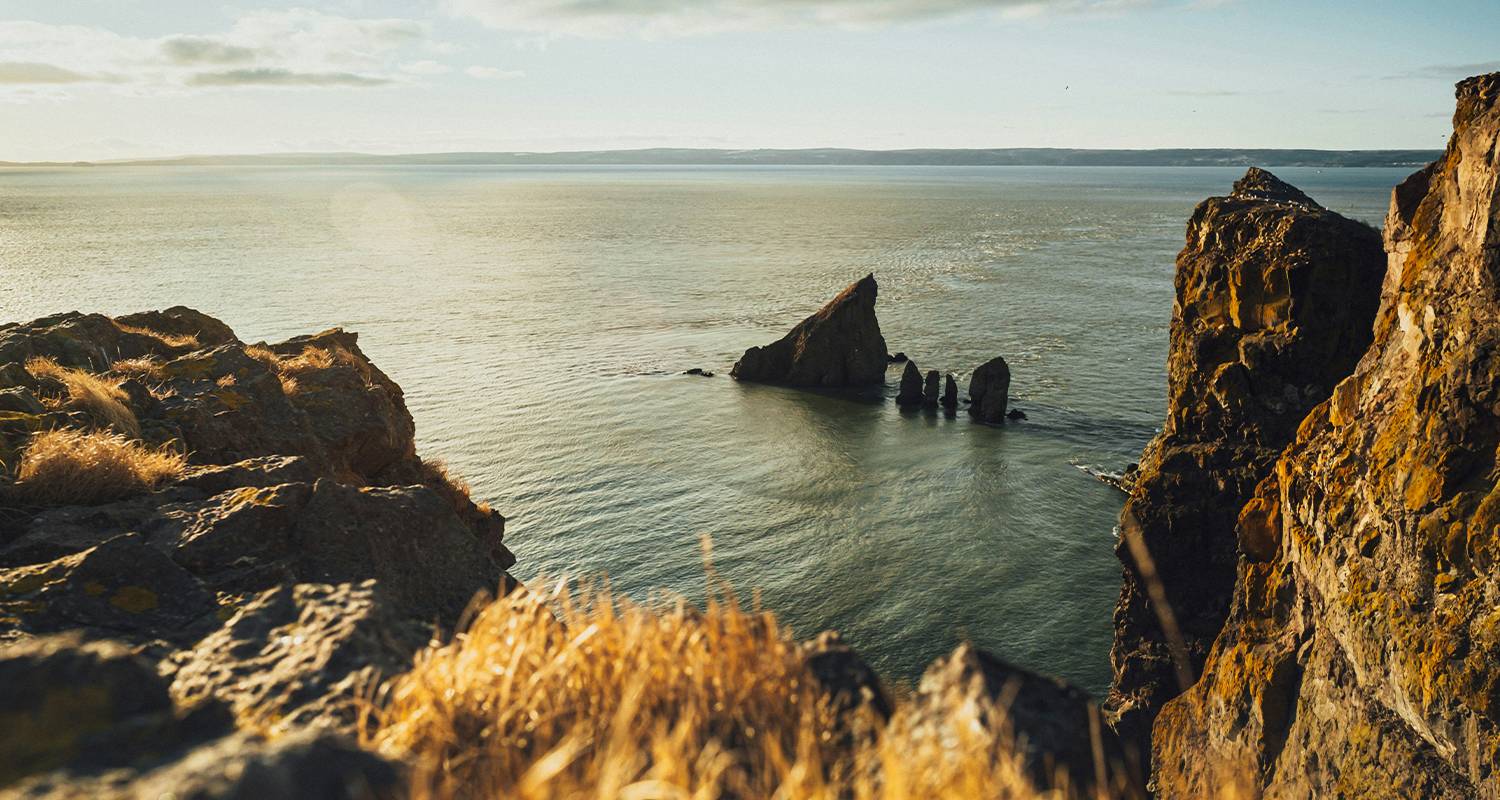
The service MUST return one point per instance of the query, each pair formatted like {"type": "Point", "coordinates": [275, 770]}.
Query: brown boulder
{"type": "Point", "coordinates": [989, 390]}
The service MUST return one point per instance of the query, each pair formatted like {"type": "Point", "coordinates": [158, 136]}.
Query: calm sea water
{"type": "Point", "coordinates": [539, 319]}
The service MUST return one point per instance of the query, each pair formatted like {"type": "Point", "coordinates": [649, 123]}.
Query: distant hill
{"type": "Point", "coordinates": [1002, 157]}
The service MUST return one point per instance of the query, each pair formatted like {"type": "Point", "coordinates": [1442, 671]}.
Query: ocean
{"type": "Point", "coordinates": [540, 318]}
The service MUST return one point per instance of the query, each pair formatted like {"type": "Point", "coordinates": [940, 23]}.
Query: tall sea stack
{"type": "Point", "coordinates": [839, 346]}
{"type": "Point", "coordinates": [1360, 655]}
{"type": "Point", "coordinates": [1275, 299]}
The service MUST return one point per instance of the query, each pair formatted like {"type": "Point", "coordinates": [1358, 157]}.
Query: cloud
{"type": "Point", "coordinates": [271, 76]}
{"type": "Point", "coordinates": [197, 50]}
{"type": "Point", "coordinates": [32, 72]}
{"type": "Point", "coordinates": [607, 18]}
{"type": "Point", "coordinates": [493, 74]}
{"type": "Point", "coordinates": [1448, 72]}
{"type": "Point", "coordinates": [297, 48]}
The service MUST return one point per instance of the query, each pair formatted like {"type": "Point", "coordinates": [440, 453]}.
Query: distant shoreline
{"type": "Point", "coordinates": [1003, 157]}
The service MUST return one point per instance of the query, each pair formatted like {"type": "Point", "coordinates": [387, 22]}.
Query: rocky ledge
{"type": "Point", "coordinates": [209, 551]}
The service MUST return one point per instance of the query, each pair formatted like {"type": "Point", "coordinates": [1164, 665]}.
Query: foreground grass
{"type": "Point", "coordinates": [577, 693]}
{"type": "Point", "coordinates": [74, 466]}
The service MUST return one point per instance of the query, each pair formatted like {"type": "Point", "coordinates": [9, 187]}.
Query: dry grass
{"type": "Point", "coordinates": [436, 475]}
{"type": "Point", "coordinates": [311, 359]}
{"type": "Point", "coordinates": [169, 339]}
{"type": "Point", "coordinates": [608, 699]}
{"type": "Point", "coordinates": [85, 467]}
{"type": "Point", "coordinates": [145, 368]}
{"type": "Point", "coordinates": [99, 397]}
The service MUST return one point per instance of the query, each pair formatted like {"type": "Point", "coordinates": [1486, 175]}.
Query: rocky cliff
{"type": "Point", "coordinates": [209, 551]}
{"type": "Point", "coordinates": [1361, 656]}
{"type": "Point", "coordinates": [1275, 299]}
{"type": "Point", "coordinates": [839, 346]}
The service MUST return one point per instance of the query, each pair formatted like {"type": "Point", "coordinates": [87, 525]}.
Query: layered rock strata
{"type": "Point", "coordinates": [1359, 656]}
{"type": "Point", "coordinates": [1275, 300]}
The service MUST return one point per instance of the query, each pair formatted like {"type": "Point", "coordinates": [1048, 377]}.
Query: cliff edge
{"type": "Point", "coordinates": [1275, 299]}
{"type": "Point", "coordinates": [1359, 656]}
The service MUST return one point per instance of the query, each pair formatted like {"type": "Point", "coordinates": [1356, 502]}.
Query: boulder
{"type": "Point", "coordinates": [950, 392]}
{"type": "Point", "coordinates": [1358, 654]}
{"type": "Point", "coordinates": [898, 358]}
{"type": "Point", "coordinates": [839, 346]}
{"type": "Point", "coordinates": [301, 654]}
{"type": "Point", "coordinates": [911, 386]}
{"type": "Point", "coordinates": [1275, 300]}
{"type": "Point", "coordinates": [930, 389]}
{"type": "Point", "coordinates": [844, 676]}
{"type": "Point", "coordinates": [989, 390]}
{"type": "Point", "coordinates": [1056, 727]}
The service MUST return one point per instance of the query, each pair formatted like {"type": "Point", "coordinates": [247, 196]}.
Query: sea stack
{"type": "Point", "coordinates": [950, 392]}
{"type": "Point", "coordinates": [911, 386]}
{"type": "Point", "coordinates": [930, 389]}
{"type": "Point", "coordinates": [1276, 297]}
{"type": "Point", "coordinates": [989, 390]}
{"type": "Point", "coordinates": [839, 346]}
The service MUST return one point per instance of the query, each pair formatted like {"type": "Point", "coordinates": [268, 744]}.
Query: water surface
{"type": "Point", "coordinates": [539, 320]}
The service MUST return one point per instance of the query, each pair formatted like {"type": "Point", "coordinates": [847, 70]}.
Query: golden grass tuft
{"type": "Point", "coordinates": [97, 396]}
{"type": "Point", "coordinates": [580, 694]}
{"type": "Point", "coordinates": [311, 359]}
{"type": "Point", "coordinates": [456, 490]}
{"type": "Point", "coordinates": [145, 368]}
{"type": "Point", "coordinates": [169, 339]}
{"type": "Point", "coordinates": [68, 466]}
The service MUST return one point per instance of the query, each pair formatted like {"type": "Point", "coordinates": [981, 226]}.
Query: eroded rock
{"type": "Point", "coordinates": [910, 393]}
{"type": "Point", "coordinates": [1275, 299]}
{"type": "Point", "coordinates": [1359, 655]}
{"type": "Point", "coordinates": [839, 346]}
{"type": "Point", "coordinates": [989, 390]}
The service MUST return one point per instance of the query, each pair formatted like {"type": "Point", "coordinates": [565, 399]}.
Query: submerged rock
{"type": "Point", "coordinates": [911, 386]}
{"type": "Point", "coordinates": [989, 390]}
{"type": "Point", "coordinates": [950, 392]}
{"type": "Point", "coordinates": [839, 346]}
{"type": "Point", "coordinates": [1358, 657]}
{"type": "Point", "coordinates": [1015, 415]}
{"type": "Point", "coordinates": [930, 389]}
{"type": "Point", "coordinates": [1275, 299]}
{"type": "Point", "coordinates": [899, 358]}
{"type": "Point", "coordinates": [700, 372]}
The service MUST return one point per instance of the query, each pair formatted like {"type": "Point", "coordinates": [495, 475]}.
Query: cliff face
{"type": "Point", "coordinates": [839, 346]}
{"type": "Point", "coordinates": [203, 540]}
{"type": "Point", "coordinates": [1275, 300]}
{"type": "Point", "coordinates": [1360, 656]}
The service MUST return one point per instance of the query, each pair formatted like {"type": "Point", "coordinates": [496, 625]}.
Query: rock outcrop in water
{"type": "Point", "coordinates": [950, 392]}
{"type": "Point", "coordinates": [839, 346]}
{"type": "Point", "coordinates": [1360, 655]}
{"type": "Point", "coordinates": [910, 393]}
{"type": "Point", "coordinates": [297, 553]}
{"type": "Point", "coordinates": [989, 390]}
{"type": "Point", "coordinates": [930, 388]}
{"type": "Point", "coordinates": [1275, 299]}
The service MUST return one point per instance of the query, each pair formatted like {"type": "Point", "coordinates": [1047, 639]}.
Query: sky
{"type": "Point", "coordinates": [141, 78]}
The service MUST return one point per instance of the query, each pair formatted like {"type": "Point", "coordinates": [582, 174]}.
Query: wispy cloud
{"type": "Point", "coordinates": [612, 18]}
{"type": "Point", "coordinates": [297, 48]}
{"type": "Point", "coordinates": [37, 73]}
{"type": "Point", "coordinates": [271, 76]}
